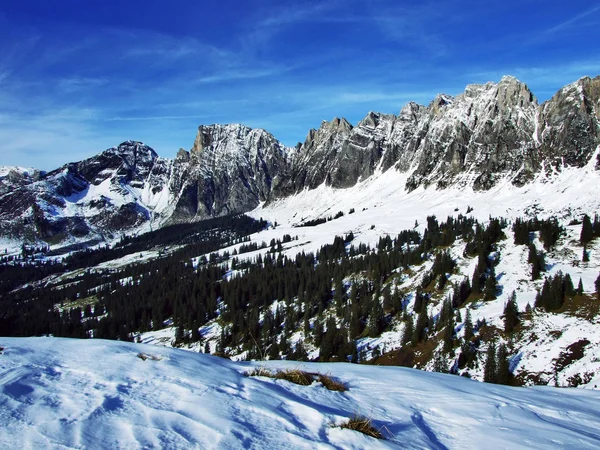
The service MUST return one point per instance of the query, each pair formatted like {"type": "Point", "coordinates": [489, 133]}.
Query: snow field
{"type": "Point", "coordinates": [63, 393]}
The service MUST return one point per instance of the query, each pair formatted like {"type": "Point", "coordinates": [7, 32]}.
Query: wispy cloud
{"type": "Point", "coordinates": [573, 20]}
{"type": "Point", "coordinates": [241, 74]}
{"type": "Point", "coordinates": [288, 13]}
{"type": "Point", "coordinates": [78, 84]}
{"type": "Point", "coordinates": [152, 118]}
{"type": "Point", "coordinates": [43, 140]}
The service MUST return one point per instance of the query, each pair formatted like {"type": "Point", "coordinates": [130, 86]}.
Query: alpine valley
{"type": "Point", "coordinates": [460, 237]}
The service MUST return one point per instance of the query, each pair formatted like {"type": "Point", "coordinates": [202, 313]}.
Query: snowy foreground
{"type": "Point", "coordinates": [63, 393]}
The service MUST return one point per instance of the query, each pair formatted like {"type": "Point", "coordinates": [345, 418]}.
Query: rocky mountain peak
{"type": "Point", "coordinates": [135, 153]}
{"type": "Point", "coordinates": [512, 92]}
{"type": "Point", "coordinates": [183, 155]}
{"type": "Point", "coordinates": [336, 125]}
{"type": "Point", "coordinates": [411, 112]}
{"type": "Point", "coordinates": [209, 134]}
{"type": "Point", "coordinates": [371, 120]}
{"type": "Point", "coordinates": [440, 101]}
{"type": "Point", "coordinates": [569, 128]}
{"type": "Point", "coordinates": [230, 169]}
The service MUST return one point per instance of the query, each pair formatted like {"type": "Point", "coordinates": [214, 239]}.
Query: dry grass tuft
{"type": "Point", "coordinates": [364, 425]}
{"type": "Point", "coordinates": [332, 384]}
{"type": "Point", "coordinates": [300, 377]}
{"type": "Point", "coordinates": [296, 376]}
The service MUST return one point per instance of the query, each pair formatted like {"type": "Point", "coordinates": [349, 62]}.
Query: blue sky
{"type": "Point", "coordinates": [77, 77]}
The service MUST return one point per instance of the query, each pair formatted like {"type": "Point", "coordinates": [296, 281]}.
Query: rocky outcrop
{"type": "Point", "coordinates": [229, 170]}
{"type": "Point", "coordinates": [568, 131]}
{"type": "Point", "coordinates": [476, 138]}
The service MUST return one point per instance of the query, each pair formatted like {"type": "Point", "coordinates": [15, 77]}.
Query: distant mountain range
{"type": "Point", "coordinates": [489, 133]}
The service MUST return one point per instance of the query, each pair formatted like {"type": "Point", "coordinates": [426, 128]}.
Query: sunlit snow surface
{"type": "Point", "coordinates": [62, 393]}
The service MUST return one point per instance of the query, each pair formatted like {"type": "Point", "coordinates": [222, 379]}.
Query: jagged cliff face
{"type": "Point", "coordinates": [568, 123]}
{"type": "Point", "coordinates": [229, 170]}
{"type": "Point", "coordinates": [490, 132]}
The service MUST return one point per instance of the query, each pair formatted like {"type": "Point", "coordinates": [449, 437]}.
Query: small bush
{"type": "Point", "coordinates": [295, 376]}
{"type": "Point", "coordinates": [364, 425]}
{"type": "Point", "coordinates": [332, 384]}
{"type": "Point", "coordinates": [300, 377]}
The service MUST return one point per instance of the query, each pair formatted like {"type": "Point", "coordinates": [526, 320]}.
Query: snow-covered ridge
{"type": "Point", "coordinates": [101, 394]}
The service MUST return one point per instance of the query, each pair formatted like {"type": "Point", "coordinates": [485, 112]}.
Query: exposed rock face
{"type": "Point", "coordinates": [568, 123]}
{"type": "Point", "coordinates": [479, 136]}
{"type": "Point", "coordinates": [230, 169]}
{"type": "Point", "coordinates": [489, 132]}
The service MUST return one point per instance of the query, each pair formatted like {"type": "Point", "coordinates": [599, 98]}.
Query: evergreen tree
{"type": "Point", "coordinates": [597, 285]}
{"type": "Point", "coordinates": [408, 330]}
{"type": "Point", "coordinates": [585, 257]}
{"type": "Point", "coordinates": [538, 262]}
{"type": "Point", "coordinates": [491, 285]}
{"type": "Point", "coordinates": [421, 327]}
{"type": "Point", "coordinates": [478, 277]}
{"type": "Point", "coordinates": [587, 231]}
{"type": "Point", "coordinates": [504, 375]}
{"type": "Point", "coordinates": [511, 314]}
{"type": "Point", "coordinates": [468, 326]}
{"type": "Point", "coordinates": [355, 321]}
{"type": "Point", "coordinates": [580, 287]}
{"type": "Point", "coordinates": [376, 319]}
{"type": "Point", "coordinates": [274, 350]}
{"type": "Point", "coordinates": [447, 337]}
{"type": "Point", "coordinates": [446, 313]}
{"type": "Point", "coordinates": [397, 301]}
{"type": "Point", "coordinates": [467, 355]}
{"type": "Point", "coordinates": [490, 371]}
{"type": "Point", "coordinates": [338, 297]}
{"type": "Point", "coordinates": [439, 364]}
{"type": "Point", "coordinates": [388, 304]}
{"type": "Point", "coordinates": [420, 300]}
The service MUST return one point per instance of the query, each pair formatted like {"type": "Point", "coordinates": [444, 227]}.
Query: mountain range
{"type": "Point", "coordinates": [490, 134]}
{"type": "Point", "coordinates": [401, 240]}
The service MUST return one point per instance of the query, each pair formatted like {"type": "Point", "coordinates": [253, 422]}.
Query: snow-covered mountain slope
{"type": "Point", "coordinates": [129, 189]}
{"type": "Point", "coordinates": [382, 206]}
{"type": "Point", "coordinates": [61, 393]}
{"type": "Point", "coordinates": [97, 198]}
